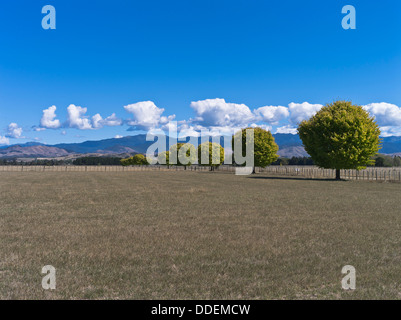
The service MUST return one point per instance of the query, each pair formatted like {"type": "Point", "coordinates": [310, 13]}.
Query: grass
{"type": "Point", "coordinates": [191, 235]}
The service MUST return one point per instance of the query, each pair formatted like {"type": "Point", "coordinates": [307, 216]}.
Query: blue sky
{"type": "Point", "coordinates": [213, 64]}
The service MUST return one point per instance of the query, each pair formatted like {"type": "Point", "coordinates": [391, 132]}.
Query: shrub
{"type": "Point", "coordinates": [136, 160]}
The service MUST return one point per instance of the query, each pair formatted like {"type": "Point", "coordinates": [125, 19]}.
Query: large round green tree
{"type": "Point", "coordinates": [341, 136]}
{"type": "Point", "coordinates": [265, 148]}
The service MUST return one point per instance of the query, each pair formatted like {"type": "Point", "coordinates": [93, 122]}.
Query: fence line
{"type": "Point", "coordinates": [72, 168]}
{"type": "Point", "coordinates": [369, 174]}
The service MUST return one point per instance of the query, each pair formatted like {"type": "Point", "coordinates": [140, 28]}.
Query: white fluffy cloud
{"type": "Point", "coordinates": [388, 131]}
{"type": "Point", "coordinates": [219, 113]}
{"type": "Point", "coordinates": [272, 114]}
{"type": "Point", "coordinates": [302, 111]}
{"type": "Point", "coordinates": [188, 131]}
{"type": "Point", "coordinates": [111, 121]}
{"type": "Point", "coordinates": [263, 126]}
{"type": "Point", "coordinates": [146, 115]}
{"type": "Point", "coordinates": [287, 129]}
{"type": "Point", "coordinates": [386, 114]}
{"type": "Point", "coordinates": [48, 120]}
{"type": "Point", "coordinates": [97, 121]}
{"type": "Point", "coordinates": [14, 131]}
{"type": "Point", "coordinates": [215, 116]}
{"type": "Point", "coordinates": [4, 140]}
{"type": "Point", "coordinates": [77, 119]}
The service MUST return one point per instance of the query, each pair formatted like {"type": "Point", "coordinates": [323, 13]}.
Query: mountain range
{"type": "Point", "coordinates": [290, 145]}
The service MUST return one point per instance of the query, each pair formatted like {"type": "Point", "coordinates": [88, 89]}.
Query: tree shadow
{"type": "Point", "coordinates": [294, 178]}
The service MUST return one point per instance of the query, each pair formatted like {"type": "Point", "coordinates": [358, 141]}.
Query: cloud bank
{"type": "Point", "coordinates": [216, 116]}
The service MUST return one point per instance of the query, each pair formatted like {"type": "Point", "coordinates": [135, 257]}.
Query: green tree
{"type": "Point", "coordinates": [163, 157]}
{"type": "Point", "coordinates": [190, 152]}
{"type": "Point", "coordinates": [397, 161]}
{"type": "Point", "coordinates": [382, 160]}
{"type": "Point", "coordinates": [140, 159]}
{"type": "Point", "coordinates": [379, 161]}
{"type": "Point", "coordinates": [341, 136]}
{"type": "Point", "coordinates": [281, 162]}
{"type": "Point", "coordinates": [136, 160]}
{"type": "Point", "coordinates": [214, 152]}
{"type": "Point", "coordinates": [265, 148]}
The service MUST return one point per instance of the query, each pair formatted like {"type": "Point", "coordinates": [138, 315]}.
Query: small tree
{"type": "Point", "coordinates": [136, 160]}
{"type": "Point", "coordinates": [190, 152]}
{"type": "Point", "coordinates": [379, 161]}
{"type": "Point", "coordinates": [163, 157]}
{"type": "Point", "coordinates": [213, 152]}
{"type": "Point", "coordinates": [125, 162]}
{"type": "Point", "coordinates": [341, 136]}
{"type": "Point", "coordinates": [140, 159]}
{"type": "Point", "coordinates": [265, 148]}
{"type": "Point", "coordinates": [397, 161]}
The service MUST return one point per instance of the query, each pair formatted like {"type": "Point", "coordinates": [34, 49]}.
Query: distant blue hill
{"type": "Point", "coordinates": [135, 142]}
{"type": "Point", "coordinates": [288, 140]}
{"type": "Point", "coordinates": [27, 144]}
{"type": "Point", "coordinates": [290, 145]}
{"type": "Point", "coordinates": [138, 143]}
{"type": "Point", "coordinates": [391, 145]}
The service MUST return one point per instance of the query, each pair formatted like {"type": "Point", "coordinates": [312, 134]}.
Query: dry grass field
{"type": "Point", "coordinates": [197, 235]}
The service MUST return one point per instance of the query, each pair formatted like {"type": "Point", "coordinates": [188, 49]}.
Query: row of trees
{"type": "Point", "coordinates": [382, 160]}
{"type": "Point", "coordinates": [36, 162]}
{"type": "Point", "coordinates": [293, 161]}
{"type": "Point", "coordinates": [83, 161]}
{"type": "Point", "coordinates": [339, 136]}
{"type": "Point", "coordinates": [97, 161]}
{"type": "Point", "coordinates": [211, 154]}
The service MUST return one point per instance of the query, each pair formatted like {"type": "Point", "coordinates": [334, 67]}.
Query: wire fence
{"type": "Point", "coordinates": [102, 168]}
{"type": "Point", "coordinates": [369, 174]}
